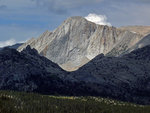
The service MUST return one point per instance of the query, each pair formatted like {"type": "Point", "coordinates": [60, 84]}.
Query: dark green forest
{"type": "Point", "coordinates": [21, 102]}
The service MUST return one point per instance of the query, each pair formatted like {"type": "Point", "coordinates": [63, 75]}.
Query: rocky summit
{"type": "Point", "coordinates": [77, 41]}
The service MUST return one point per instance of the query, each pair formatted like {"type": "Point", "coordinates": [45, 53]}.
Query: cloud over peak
{"type": "Point", "coordinates": [98, 19]}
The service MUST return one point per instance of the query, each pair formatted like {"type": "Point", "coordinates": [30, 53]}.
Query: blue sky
{"type": "Point", "coordinates": [22, 19]}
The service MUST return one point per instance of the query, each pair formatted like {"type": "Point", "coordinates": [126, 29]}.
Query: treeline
{"type": "Point", "coordinates": [20, 102]}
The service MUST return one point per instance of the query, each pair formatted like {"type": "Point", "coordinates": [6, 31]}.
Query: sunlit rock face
{"type": "Point", "coordinates": [142, 43]}
{"type": "Point", "coordinates": [77, 41]}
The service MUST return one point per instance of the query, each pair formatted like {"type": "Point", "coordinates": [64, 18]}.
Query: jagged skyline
{"type": "Point", "coordinates": [23, 19]}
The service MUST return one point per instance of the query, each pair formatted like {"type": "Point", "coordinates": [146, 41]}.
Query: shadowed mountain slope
{"type": "Point", "coordinates": [126, 77]}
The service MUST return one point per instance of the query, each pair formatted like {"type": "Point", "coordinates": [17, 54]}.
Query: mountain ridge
{"type": "Point", "coordinates": [77, 39]}
{"type": "Point", "coordinates": [143, 30]}
{"type": "Point", "coordinates": [142, 43]}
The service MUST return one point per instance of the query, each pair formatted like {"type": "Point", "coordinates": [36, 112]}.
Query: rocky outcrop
{"type": "Point", "coordinates": [77, 41]}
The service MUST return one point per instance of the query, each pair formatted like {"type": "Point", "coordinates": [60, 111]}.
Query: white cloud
{"type": "Point", "coordinates": [98, 19]}
{"type": "Point", "coordinates": [7, 42]}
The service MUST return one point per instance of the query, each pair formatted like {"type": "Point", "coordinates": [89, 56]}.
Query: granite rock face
{"type": "Point", "coordinates": [142, 43]}
{"type": "Point", "coordinates": [39, 44]}
{"type": "Point", "coordinates": [78, 41]}
{"type": "Point", "coordinates": [129, 39]}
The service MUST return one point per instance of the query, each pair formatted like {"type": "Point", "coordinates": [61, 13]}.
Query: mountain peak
{"type": "Point", "coordinates": [77, 41]}
{"type": "Point", "coordinates": [76, 18]}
